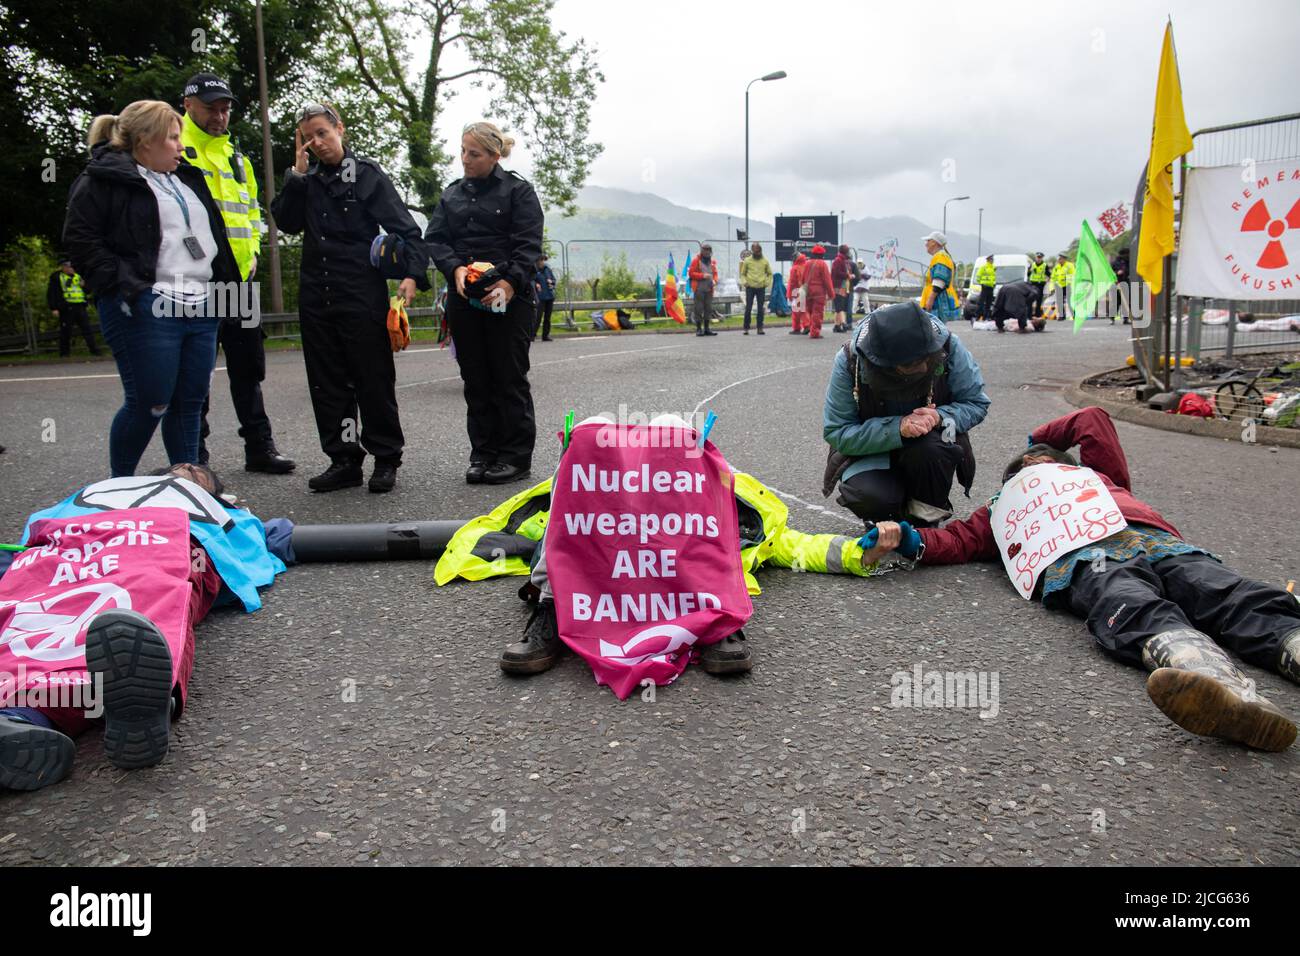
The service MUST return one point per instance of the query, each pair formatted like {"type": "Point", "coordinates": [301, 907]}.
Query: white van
{"type": "Point", "coordinates": [1011, 267]}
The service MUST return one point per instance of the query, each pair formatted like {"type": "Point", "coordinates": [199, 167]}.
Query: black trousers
{"type": "Point", "coordinates": [349, 370]}
{"type": "Point", "coordinates": [1127, 602]}
{"type": "Point", "coordinates": [922, 470]}
{"type": "Point", "coordinates": [75, 315]}
{"type": "Point", "coordinates": [986, 302]}
{"type": "Point", "coordinates": [246, 368]}
{"type": "Point", "coordinates": [1038, 299]}
{"type": "Point", "coordinates": [544, 309]}
{"type": "Point", "coordinates": [751, 296]}
{"type": "Point", "coordinates": [492, 350]}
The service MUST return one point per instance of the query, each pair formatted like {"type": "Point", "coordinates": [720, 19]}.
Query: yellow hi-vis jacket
{"type": "Point", "coordinates": [503, 542]}
{"type": "Point", "coordinates": [987, 274]}
{"type": "Point", "coordinates": [1063, 274]}
{"type": "Point", "coordinates": [73, 293]}
{"type": "Point", "coordinates": [218, 160]}
{"type": "Point", "coordinates": [940, 258]}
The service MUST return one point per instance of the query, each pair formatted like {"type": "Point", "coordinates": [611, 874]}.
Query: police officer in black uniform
{"type": "Point", "coordinates": [491, 216]}
{"type": "Point", "coordinates": [340, 202]}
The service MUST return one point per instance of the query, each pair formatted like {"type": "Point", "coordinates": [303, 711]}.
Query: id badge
{"type": "Point", "coordinates": [193, 247]}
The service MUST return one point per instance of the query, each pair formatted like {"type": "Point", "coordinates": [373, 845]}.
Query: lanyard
{"type": "Point", "coordinates": [180, 200]}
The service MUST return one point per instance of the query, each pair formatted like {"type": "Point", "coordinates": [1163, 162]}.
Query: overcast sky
{"type": "Point", "coordinates": [1041, 111]}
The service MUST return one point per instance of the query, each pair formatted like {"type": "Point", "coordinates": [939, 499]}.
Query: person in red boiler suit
{"type": "Point", "coordinates": [819, 289]}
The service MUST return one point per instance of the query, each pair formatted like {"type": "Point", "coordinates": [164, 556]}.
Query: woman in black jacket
{"type": "Point", "coordinates": [147, 238]}
{"type": "Point", "coordinates": [339, 203]}
{"type": "Point", "coordinates": [491, 216]}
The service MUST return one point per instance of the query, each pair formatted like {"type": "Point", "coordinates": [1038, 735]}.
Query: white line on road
{"type": "Point", "coordinates": [73, 378]}
{"type": "Point", "coordinates": [752, 378]}
{"type": "Point", "coordinates": [574, 358]}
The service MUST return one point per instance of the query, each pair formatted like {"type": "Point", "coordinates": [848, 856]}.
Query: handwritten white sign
{"type": "Point", "coordinates": [1044, 513]}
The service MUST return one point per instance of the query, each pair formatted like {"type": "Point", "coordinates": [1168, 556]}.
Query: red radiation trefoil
{"type": "Point", "coordinates": [1257, 219]}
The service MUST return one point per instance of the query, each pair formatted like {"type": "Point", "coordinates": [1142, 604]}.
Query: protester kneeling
{"type": "Point", "coordinates": [97, 616]}
{"type": "Point", "coordinates": [1079, 538]}
{"type": "Point", "coordinates": [903, 394]}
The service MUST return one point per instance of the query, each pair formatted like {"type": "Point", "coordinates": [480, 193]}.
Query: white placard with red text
{"type": "Point", "coordinates": [1044, 513]}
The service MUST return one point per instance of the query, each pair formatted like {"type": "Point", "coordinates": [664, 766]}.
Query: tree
{"type": "Point", "coordinates": [542, 85]}
{"type": "Point", "coordinates": [59, 71]}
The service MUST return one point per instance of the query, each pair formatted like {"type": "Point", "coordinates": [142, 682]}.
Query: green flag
{"type": "Point", "coordinates": [1093, 277]}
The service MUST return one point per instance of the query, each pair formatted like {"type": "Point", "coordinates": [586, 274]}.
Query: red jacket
{"type": "Point", "coordinates": [817, 276]}
{"type": "Point", "coordinates": [697, 274]}
{"type": "Point", "coordinates": [1099, 449]}
{"type": "Point", "coordinates": [796, 272]}
{"type": "Point", "coordinates": [842, 273]}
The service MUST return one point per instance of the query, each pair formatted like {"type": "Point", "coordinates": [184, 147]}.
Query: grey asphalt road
{"type": "Point", "coordinates": [442, 759]}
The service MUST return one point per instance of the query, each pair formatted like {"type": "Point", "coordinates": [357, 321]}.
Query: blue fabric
{"type": "Point", "coordinates": [870, 442]}
{"type": "Point", "coordinates": [6, 559]}
{"type": "Point", "coordinates": [165, 362]}
{"type": "Point", "coordinates": [27, 715]}
{"type": "Point", "coordinates": [777, 302]}
{"type": "Point", "coordinates": [279, 539]}
{"type": "Point", "coordinates": [942, 306]}
{"type": "Point", "coordinates": [1127, 543]}
{"type": "Point", "coordinates": [542, 281]}
{"type": "Point", "coordinates": [238, 550]}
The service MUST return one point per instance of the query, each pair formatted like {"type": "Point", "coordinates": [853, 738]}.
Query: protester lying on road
{"type": "Point", "coordinates": [519, 537]}
{"type": "Point", "coordinates": [97, 615]}
{"type": "Point", "coordinates": [1148, 596]}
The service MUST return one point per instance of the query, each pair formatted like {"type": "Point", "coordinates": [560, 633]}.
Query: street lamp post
{"type": "Point", "coordinates": [778, 75]}
{"type": "Point", "coordinates": [979, 236]}
{"type": "Point", "coordinates": [945, 210]}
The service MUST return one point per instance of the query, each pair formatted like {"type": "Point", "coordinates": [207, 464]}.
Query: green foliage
{"type": "Point", "coordinates": [617, 281]}
{"type": "Point", "coordinates": [542, 85]}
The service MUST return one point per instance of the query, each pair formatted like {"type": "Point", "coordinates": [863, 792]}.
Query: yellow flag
{"type": "Point", "coordinates": [1169, 140]}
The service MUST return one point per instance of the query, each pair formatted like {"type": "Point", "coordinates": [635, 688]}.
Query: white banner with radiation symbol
{"type": "Point", "coordinates": [1241, 232]}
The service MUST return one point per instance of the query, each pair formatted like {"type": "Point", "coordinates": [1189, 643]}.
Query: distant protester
{"type": "Point", "coordinates": [756, 278]}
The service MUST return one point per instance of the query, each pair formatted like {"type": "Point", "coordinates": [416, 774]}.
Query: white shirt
{"type": "Point", "coordinates": [179, 276]}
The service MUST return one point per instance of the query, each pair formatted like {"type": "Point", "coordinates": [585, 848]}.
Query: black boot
{"type": "Point", "coordinates": [474, 473]}
{"type": "Point", "coordinates": [728, 656]}
{"type": "Point", "coordinates": [132, 657]}
{"type": "Point", "coordinates": [499, 473]}
{"type": "Point", "coordinates": [1198, 687]}
{"type": "Point", "coordinates": [383, 478]}
{"type": "Point", "coordinates": [31, 756]}
{"type": "Point", "coordinates": [541, 646]}
{"type": "Point", "coordinates": [266, 458]}
{"type": "Point", "coordinates": [340, 474]}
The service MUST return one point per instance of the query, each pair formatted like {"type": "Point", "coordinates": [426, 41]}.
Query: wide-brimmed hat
{"type": "Point", "coordinates": [900, 334]}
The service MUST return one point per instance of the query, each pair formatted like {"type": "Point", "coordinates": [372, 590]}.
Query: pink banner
{"type": "Point", "coordinates": [643, 551]}
{"type": "Point", "coordinates": [74, 569]}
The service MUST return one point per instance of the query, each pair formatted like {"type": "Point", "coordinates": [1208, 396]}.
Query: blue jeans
{"type": "Point", "coordinates": [165, 362]}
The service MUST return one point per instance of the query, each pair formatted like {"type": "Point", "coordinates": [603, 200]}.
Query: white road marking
{"type": "Point", "coordinates": [775, 371]}
{"type": "Point", "coordinates": [73, 378]}
{"type": "Point", "coordinates": [574, 358]}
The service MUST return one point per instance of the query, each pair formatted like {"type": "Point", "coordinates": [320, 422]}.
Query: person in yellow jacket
{"type": "Point", "coordinates": [756, 279]}
{"type": "Point", "coordinates": [205, 136]}
{"type": "Point", "coordinates": [986, 276]}
{"type": "Point", "coordinates": [508, 541]}
{"type": "Point", "coordinates": [1038, 275]}
{"type": "Point", "coordinates": [939, 284]}
{"type": "Point", "coordinates": [1063, 278]}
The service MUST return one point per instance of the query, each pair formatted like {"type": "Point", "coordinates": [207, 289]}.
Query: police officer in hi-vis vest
{"type": "Point", "coordinates": [1038, 275]}
{"type": "Point", "coordinates": [229, 175]}
{"type": "Point", "coordinates": [66, 298]}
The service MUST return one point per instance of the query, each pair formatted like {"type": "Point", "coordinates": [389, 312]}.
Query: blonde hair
{"type": "Point", "coordinates": [143, 121]}
{"type": "Point", "coordinates": [489, 137]}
